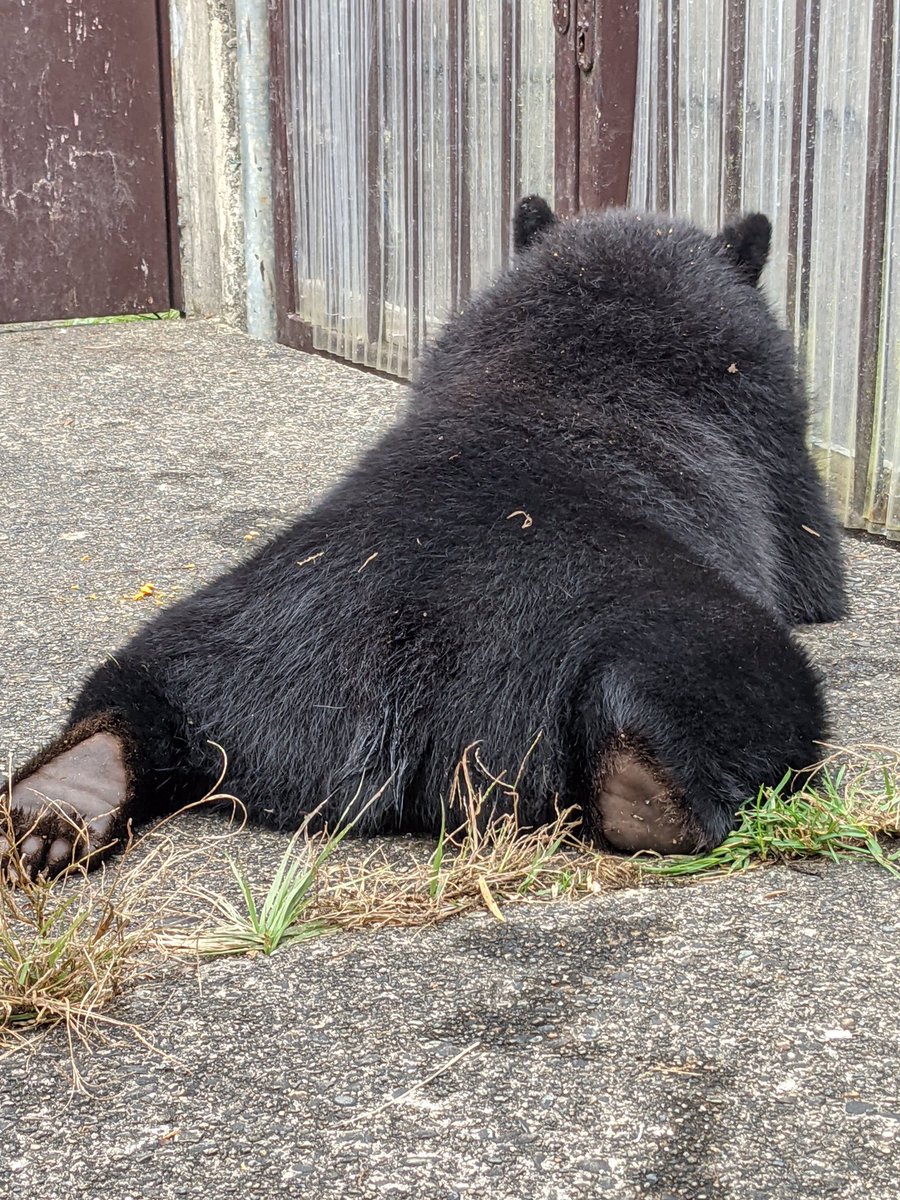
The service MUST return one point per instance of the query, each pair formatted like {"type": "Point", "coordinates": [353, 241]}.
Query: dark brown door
{"type": "Point", "coordinates": [596, 77]}
{"type": "Point", "coordinates": [84, 223]}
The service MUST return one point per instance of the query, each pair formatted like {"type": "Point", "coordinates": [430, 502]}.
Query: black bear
{"type": "Point", "coordinates": [597, 520]}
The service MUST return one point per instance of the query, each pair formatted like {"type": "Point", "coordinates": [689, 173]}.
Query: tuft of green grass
{"type": "Point", "coordinates": [839, 814]}
{"type": "Point", "coordinates": [171, 314]}
{"type": "Point", "coordinates": [286, 912]}
{"type": "Point", "coordinates": [281, 918]}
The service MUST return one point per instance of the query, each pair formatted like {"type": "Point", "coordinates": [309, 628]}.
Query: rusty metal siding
{"type": "Point", "coordinates": [83, 185]}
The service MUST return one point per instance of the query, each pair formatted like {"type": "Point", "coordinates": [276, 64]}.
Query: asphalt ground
{"type": "Point", "coordinates": [739, 1038]}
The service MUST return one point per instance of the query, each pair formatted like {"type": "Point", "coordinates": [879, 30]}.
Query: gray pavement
{"type": "Point", "coordinates": [732, 1039]}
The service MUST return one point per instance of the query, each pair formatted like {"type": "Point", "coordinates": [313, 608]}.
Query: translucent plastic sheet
{"type": "Point", "coordinates": [414, 127]}
{"type": "Point", "coordinates": [782, 106]}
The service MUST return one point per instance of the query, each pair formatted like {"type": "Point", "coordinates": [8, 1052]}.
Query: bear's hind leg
{"type": "Point", "coordinates": [72, 804]}
{"type": "Point", "coordinates": [709, 701]}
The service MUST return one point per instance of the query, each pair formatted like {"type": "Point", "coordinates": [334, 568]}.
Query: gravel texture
{"type": "Point", "coordinates": [732, 1039]}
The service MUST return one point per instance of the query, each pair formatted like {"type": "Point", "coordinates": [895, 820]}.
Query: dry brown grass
{"type": "Point", "coordinates": [853, 807]}
{"type": "Point", "coordinates": [67, 952]}
{"type": "Point", "coordinates": [70, 946]}
{"type": "Point", "coordinates": [69, 949]}
{"type": "Point", "coordinates": [476, 864]}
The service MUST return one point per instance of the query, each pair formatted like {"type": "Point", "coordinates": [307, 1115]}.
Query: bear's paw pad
{"type": "Point", "coordinates": [638, 810]}
{"type": "Point", "coordinates": [70, 809]}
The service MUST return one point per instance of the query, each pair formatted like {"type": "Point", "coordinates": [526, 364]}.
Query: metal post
{"type": "Point", "coordinates": [252, 20]}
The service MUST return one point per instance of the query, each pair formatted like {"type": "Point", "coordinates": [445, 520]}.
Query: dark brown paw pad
{"type": "Point", "coordinates": [637, 807]}
{"type": "Point", "coordinates": [69, 810]}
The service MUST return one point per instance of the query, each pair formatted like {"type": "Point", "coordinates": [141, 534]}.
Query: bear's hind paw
{"type": "Point", "coordinates": [69, 811]}
{"type": "Point", "coordinates": [636, 808]}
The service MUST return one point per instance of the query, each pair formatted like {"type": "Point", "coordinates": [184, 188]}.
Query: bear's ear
{"type": "Point", "coordinates": [747, 244]}
{"type": "Point", "coordinates": [533, 216]}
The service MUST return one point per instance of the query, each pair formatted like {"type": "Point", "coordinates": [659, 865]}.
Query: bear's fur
{"type": "Point", "coordinates": [596, 521]}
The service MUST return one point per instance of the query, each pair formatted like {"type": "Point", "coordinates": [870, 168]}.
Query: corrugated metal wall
{"type": "Point", "coordinates": [415, 127]}
{"type": "Point", "coordinates": [793, 107]}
